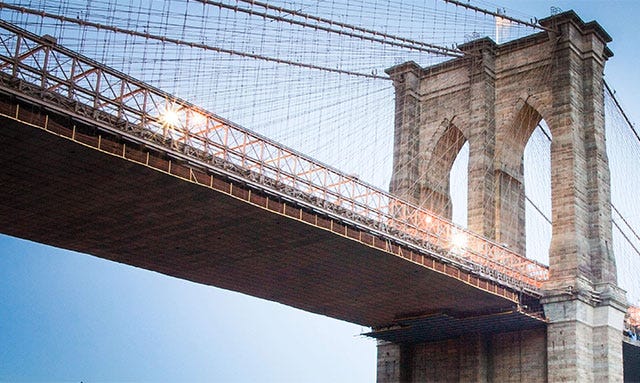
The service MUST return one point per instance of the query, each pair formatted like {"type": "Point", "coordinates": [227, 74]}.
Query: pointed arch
{"type": "Point", "coordinates": [510, 199]}
{"type": "Point", "coordinates": [435, 193]}
{"type": "Point", "coordinates": [513, 138]}
{"type": "Point", "coordinates": [537, 186]}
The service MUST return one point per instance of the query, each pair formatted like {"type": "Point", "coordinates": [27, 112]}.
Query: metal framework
{"type": "Point", "coordinates": [41, 71]}
{"type": "Point", "coordinates": [633, 316]}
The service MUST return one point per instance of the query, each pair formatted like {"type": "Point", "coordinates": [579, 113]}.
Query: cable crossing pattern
{"type": "Point", "coordinates": [40, 69]}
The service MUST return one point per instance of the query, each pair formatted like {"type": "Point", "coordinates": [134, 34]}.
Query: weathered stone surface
{"type": "Point", "coordinates": [493, 98]}
{"type": "Point", "coordinates": [499, 357]}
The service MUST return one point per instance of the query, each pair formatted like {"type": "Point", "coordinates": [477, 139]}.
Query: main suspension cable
{"type": "Point", "coordinates": [383, 39]}
{"type": "Point", "coordinates": [190, 44]}
{"type": "Point", "coordinates": [495, 14]}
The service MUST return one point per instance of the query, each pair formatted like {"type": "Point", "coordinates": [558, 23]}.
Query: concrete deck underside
{"type": "Point", "coordinates": [61, 193]}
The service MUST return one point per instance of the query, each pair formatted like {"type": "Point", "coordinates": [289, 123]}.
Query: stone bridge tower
{"type": "Point", "coordinates": [493, 98]}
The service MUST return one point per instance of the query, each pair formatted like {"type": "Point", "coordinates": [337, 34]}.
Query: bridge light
{"type": "Point", "coordinates": [169, 117]}
{"type": "Point", "coordinates": [459, 240]}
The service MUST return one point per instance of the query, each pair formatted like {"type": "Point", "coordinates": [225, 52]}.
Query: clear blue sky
{"type": "Point", "coordinates": [72, 317]}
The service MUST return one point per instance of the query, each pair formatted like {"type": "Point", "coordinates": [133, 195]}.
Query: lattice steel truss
{"type": "Point", "coordinates": [40, 70]}
{"type": "Point", "coordinates": [633, 317]}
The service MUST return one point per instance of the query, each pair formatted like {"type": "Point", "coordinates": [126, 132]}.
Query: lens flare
{"type": "Point", "coordinates": [170, 117]}
{"type": "Point", "coordinates": [459, 240]}
{"type": "Point", "coordinates": [198, 119]}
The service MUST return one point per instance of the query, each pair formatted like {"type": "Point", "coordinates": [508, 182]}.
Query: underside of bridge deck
{"type": "Point", "coordinates": [58, 191]}
{"type": "Point", "coordinates": [631, 354]}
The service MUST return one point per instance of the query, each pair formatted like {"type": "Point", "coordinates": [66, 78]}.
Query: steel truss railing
{"type": "Point", "coordinates": [633, 317]}
{"type": "Point", "coordinates": [113, 99]}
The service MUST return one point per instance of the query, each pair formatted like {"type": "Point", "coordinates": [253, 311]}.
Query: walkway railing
{"type": "Point", "coordinates": [633, 316]}
{"type": "Point", "coordinates": [117, 102]}
{"type": "Point", "coordinates": [632, 323]}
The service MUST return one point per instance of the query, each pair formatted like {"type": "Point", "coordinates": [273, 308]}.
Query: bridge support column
{"type": "Point", "coordinates": [406, 152]}
{"type": "Point", "coordinates": [391, 363]}
{"type": "Point", "coordinates": [582, 302]}
{"type": "Point", "coordinates": [510, 210]}
{"type": "Point", "coordinates": [585, 337]}
{"type": "Point", "coordinates": [464, 360]}
{"type": "Point", "coordinates": [518, 356]}
{"type": "Point", "coordinates": [494, 97]}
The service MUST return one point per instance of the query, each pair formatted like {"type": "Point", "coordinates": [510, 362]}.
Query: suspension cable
{"type": "Point", "coordinates": [625, 236]}
{"type": "Point", "coordinates": [624, 114]}
{"type": "Point", "coordinates": [383, 39]}
{"type": "Point", "coordinates": [191, 44]}
{"type": "Point", "coordinates": [495, 14]}
{"type": "Point", "coordinates": [538, 209]}
{"type": "Point", "coordinates": [545, 133]}
{"type": "Point", "coordinates": [635, 133]}
{"type": "Point", "coordinates": [626, 222]}
{"type": "Point", "coordinates": [610, 203]}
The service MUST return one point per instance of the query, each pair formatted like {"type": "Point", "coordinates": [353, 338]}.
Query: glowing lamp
{"type": "Point", "coordinates": [170, 117]}
{"type": "Point", "coordinates": [459, 240]}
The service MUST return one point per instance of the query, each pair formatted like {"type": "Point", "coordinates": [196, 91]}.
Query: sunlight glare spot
{"type": "Point", "coordinates": [170, 117]}
{"type": "Point", "coordinates": [459, 240]}
{"type": "Point", "coordinates": [198, 119]}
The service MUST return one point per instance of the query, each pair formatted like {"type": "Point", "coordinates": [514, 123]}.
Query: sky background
{"type": "Point", "coordinates": [66, 316]}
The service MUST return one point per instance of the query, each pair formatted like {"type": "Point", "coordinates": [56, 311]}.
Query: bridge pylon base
{"type": "Point", "coordinates": [584, 335]}
{"type": "Point", "coordinates": [475, 357]}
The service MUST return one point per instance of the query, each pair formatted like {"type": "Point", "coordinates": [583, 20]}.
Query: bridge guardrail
{"type": "Point", "coordinates": [135, 107]}
{"type": "Point", "coordinates": [633, 317]}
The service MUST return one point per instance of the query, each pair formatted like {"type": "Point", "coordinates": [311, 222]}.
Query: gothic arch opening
{"type": "Point", "coordinates": [459, 186]}
{"type": "Point", "coordinates": [436, 194]}
{"type": "Point", "coordinates": [514, 208]}
{"type": "Point", "coordinates": [537, 186]}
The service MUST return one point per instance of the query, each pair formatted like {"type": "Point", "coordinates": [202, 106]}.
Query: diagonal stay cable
{"type": "Point", "coordinates": [626, 222]}
{"type": "Point", "coordinates": [624, 114]}
{"type": "Point", "coordinates": [376, 36]}
{"type": "Point", "coordinates": [625, 236]}
{"type": "Point", "coordinates": [190, 44]}
{"type": "Point", "coordinates": [538, 209]}
{"type": "Point", "coordinates": [637, 136]}
{"type": "Point", "coordinates": [495, 14]}
{"type": "Point", "coordinates": [633, 231]}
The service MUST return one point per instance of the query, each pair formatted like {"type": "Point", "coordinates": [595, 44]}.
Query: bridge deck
{"type": "Point", "coordinates": [60, 192]}
{"type": "Point", "coordinates": [631, 354]}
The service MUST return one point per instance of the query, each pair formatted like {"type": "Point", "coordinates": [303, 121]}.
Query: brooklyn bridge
{"type": "Point", "coordinates": [479, 227]}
